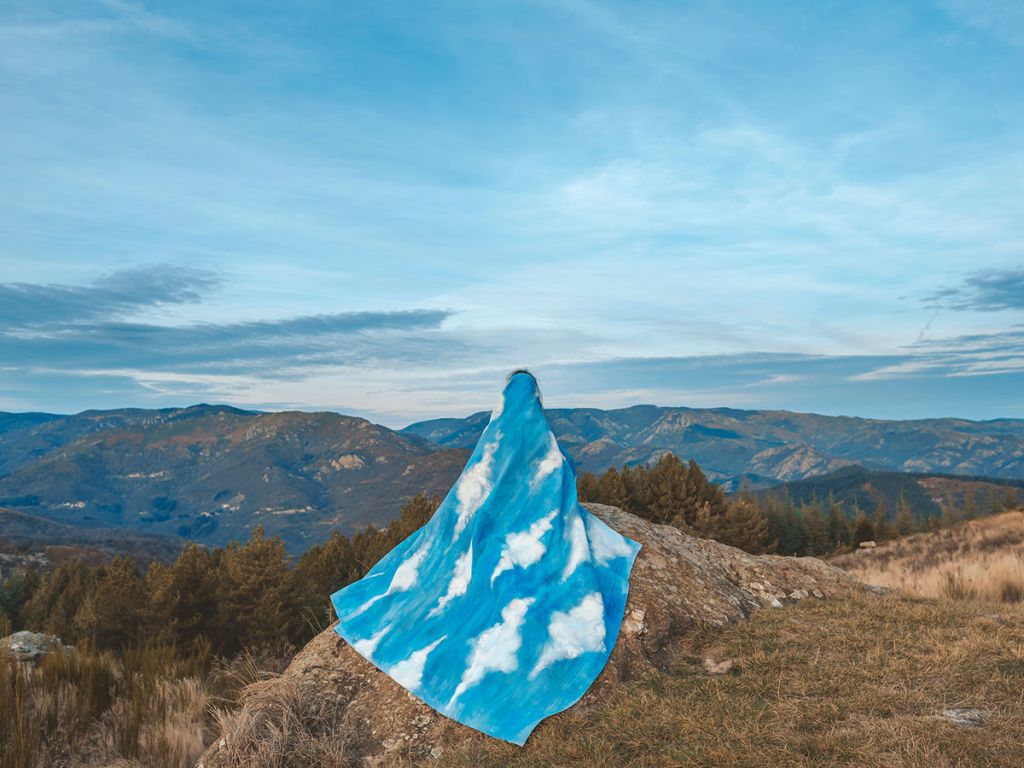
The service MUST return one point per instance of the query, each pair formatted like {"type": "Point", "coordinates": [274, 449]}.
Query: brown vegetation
{"type": "Point", "coordinates": [859, 682]}
{"type": "Point", "coordinates": [976, 559]}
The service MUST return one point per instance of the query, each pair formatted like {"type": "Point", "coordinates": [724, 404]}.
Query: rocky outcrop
{"type": "Point", "coordinates": [332, 697]}
{"type": "Point", "coordinates": [29, 646]}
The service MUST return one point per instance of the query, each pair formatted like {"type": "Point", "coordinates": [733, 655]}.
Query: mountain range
{"type": "Point", "coordinates": [765, 447]}
{"type": "Point", "coordinates": [211, 473]}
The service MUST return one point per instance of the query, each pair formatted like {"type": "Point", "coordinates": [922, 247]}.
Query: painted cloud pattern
{"type": "Point", "coordinates": [504, 607]}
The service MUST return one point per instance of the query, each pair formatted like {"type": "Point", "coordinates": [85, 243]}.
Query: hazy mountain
{"type": "Point", "coordinates": [27, 540]}
{"type": "Point", "coordinates": [765, 446]}
{"type": "Point", "coordinates": [210, 473]}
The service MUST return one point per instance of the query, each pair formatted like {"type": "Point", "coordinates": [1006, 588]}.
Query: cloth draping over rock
{"type": "Point", "coordinates": [504, 607]}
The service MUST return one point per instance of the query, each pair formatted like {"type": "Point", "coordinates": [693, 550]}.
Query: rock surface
{"type": "Point", "coordinates": [29, 646]}
{"type": "Point", "coordinates": [679, 584]}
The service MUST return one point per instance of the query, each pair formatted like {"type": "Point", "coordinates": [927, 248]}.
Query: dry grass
{"type": "Point", "coordinates": [976, 560]}
{"type": "Point", "coordinates": [77, 708]}
{"type": "Point", "coordinates": [837, 683]}
{"type": "Point", "coordinates": [283, 731]}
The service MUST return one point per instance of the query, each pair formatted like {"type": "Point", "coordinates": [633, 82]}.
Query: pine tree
{"type": "Point", "coordinates": [794, 540]}
{"type": "Point", "coordinates": [905, 523]}
{"type": "Point", "coordinates": [637, 481]}
{"type": "Point", "coordinates": [587, 487]}
{"type": "Point", "coordinates": [54, 605]}
{"type": "Point", "coordinates": [255, 601]}
{"type": "Point", "coordinates": [16, 590]}
{"type": "Point", "coordinates": [817, 531]}
{"type": "Point", "coordinates": [744, 526]}
{"type": "Point", "coordinates": [611, 490]}
{"type": "Point", "coordinates": [839, 532]}
{"type": "Point", "coordinates": [670, 502]}
{"type": "Point", "coordinates": [184, 598]}
{"type": "Point", "coordinates": [111, 615]}
{"type": "Point", "coordinates": [881, 522]}
{"type": "Point", "coordinates": [775, 516]}
{"type": "Point", "coordinates": [321, 571]}
{"type": "Point", "coordinates": [863, 529]}
{"type": "Point", "coordinates": [699, 490]}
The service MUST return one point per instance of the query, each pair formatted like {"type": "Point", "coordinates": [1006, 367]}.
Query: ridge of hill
{"type": "Point", "coordinates": [212, 473]}
{"type": "Point", "coordinates": [765, 447]}
{"type": "Point", "coordinates": [928, 494]}
{"type": "Point", "coordinates": [28, 540]}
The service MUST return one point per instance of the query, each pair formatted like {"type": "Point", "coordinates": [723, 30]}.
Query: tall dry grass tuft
{"type": "Point", "coordinates": [150, 707]}
{"type": "Point", "coordinates": [275, 728]}
{"type": "Point", "coordinates": [980, 559]}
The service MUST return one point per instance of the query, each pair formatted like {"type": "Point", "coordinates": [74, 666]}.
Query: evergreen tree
{"type": "Point", "coordinates": [881, 522]}
{"type": "Point", "coordinates": [670, 502]}
{"type": "Point", "coordinates": [905, 523]}
{"type": "Point", "coordinates": [587, 487]}
{"type": "Point", "coordinates": [794, 535]}
{"type": "Point", "coordinates": [774, 514]}
{"type": "Point", "coordinates": [321, 571]}
{"type": "Point", "coordinates": [744, 526]}
{"type": "Point", "coordinates": [863, 529]}
{"type": "Point", "coordinates": [611, 490]}
{"type": "Point", "coordinates": [817, 540]}
{"type": "Point", "coordinates": [839, 532]}
{"type": "Point", "coordinates": [184, 598]}
{"type": "Point", "coordinates": [638, 490]}
{"type": "Point", "coordinates": [15, 591]}
{"type": "Point", "coordinates": [111, 614]}
{"type": "Point", "coordinates": [255, 600]}
{"type": "Point", "coordinates": [53, 607]}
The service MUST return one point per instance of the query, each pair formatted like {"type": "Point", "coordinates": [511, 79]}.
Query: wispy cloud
{"type": "Point", "coordinates": [383, 208]}
{"type": "Point", "coordinates": [990, 290]}
{"type": "Point", "coordinates": [117, 294]}
{"type": "Point", "coordinates": [76, 328]}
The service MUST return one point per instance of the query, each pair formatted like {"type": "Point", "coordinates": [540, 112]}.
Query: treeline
{"type": "Point", "coordinates": [249, 595]}
{"type": "Point", "coordinates": [253, 595]}
{"type": "Point", "coordinates": [676, 493]}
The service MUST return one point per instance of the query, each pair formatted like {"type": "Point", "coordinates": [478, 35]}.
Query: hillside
{"type": "Point", "coordinates": [927, 494]}
{"type": "Point", "coordinates": [765, 447]}
{"type": "Point", "coordinates": [981, 558]}
{"type": "Point", "coordinates": [211, 473]}
{"type": "Point", "coordinates": [26, 540]}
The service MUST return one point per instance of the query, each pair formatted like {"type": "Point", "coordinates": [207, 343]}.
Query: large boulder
{"type": "Point", "coordinates": [330, 699]}
{"type": "Point", "coordinates": [29, 646]}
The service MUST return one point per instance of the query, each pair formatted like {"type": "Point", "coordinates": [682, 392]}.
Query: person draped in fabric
{"type": "Point", "coordinates": [504, 607]}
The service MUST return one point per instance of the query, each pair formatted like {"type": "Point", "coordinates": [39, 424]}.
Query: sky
{"type": "Point", "coordinates": [382, 208]}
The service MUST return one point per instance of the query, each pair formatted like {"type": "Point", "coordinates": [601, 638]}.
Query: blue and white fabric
{"type": "Point", "coordinates": [504, 607]}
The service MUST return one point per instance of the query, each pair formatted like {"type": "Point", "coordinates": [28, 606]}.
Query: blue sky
{"type": "Point", "coordinates": [380, 208]}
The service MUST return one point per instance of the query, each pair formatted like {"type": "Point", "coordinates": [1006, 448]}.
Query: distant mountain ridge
{"type": "Point", "coordinates": [765, 447]}
{"type": "Point", "coordinates": [927, 494]}
{"type": "Point", "coordinates": [211, 473]}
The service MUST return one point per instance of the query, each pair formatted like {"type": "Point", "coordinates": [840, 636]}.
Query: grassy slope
{"type": "Point", "coordinates": [979, 558]}
{"type": "Point", "coordinates": [838, 683]}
